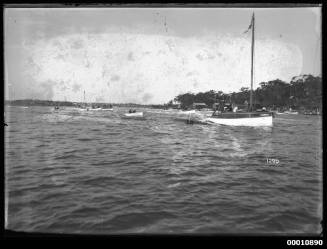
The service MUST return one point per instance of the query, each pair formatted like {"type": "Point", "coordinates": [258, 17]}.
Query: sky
{"type": "Point", "coordinates": [150, 55]}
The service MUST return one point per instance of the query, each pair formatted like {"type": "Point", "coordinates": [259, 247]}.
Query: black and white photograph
{"type": "Point", "coordinates": [168, 120]}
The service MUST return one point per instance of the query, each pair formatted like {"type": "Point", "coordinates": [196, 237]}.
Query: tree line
{"type": "Point", "coordinates": [302, 92]}
{"type": "Point", "coordinates": [38, 102]}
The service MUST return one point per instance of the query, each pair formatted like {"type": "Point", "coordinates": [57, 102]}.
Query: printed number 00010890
{"type": "Point", "coordinates": [311, 242]}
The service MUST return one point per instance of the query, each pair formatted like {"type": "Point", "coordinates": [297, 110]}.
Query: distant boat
{"type": "Point", "coordinates": [134, 114]}
{"type": "Point", "coordinates": [56, 108]}
{"type": "Point", "coordinates": [280, 113]}
{"type": "Point", "coordinates": [230, 116]}
{"type": "Point", "coordinates": [83, 106]}
{"type": "Point", "coordinates": [290, 111]}
{"type": "Point", "coordinates": [95, 109]}
{"type": "Point", "coordinates": [316, 112]}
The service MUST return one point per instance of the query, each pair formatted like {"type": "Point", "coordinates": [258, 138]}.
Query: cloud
{"type": "Point", "coordinates": [130, 67]}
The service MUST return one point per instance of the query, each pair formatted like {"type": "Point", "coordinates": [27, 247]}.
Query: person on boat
{"type": "Point", "coordinates": [219, 108]}
{"type": "Point", "coordinates": [247, 105]}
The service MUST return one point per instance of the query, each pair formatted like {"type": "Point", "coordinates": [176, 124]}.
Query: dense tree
{"type": "Point", "coordinates": [186, 100]}
{"type": "Point", "coordinates": [303, 92]}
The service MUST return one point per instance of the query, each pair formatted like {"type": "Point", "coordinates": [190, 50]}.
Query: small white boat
{"type": "Point", "coordinates": [134, 114]}
{"type": "Point", "coordinates": [57, 108]}
{"type": "Point", "coordinates": [107, 109]}
{"type": "Point", "coordinates": [291, 112]}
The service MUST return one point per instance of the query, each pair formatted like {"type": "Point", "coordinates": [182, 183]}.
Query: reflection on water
{"type": "Point", "coordinates": [94, 172]}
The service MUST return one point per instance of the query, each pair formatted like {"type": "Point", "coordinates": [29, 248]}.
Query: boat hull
{"type": "Point", "coordinates": [134, 115]}
{"type": "Point", "coordinates": [252, 121]}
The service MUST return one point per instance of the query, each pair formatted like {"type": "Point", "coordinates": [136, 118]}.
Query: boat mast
{"type": "Point", "coordinates": [252, 58]}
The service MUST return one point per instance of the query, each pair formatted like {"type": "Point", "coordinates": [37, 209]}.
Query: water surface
{"type": "Point", "coordinates": [94, 172]}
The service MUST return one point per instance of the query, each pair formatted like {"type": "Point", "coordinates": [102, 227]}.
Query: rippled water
{"type": "Point", "coordinates": [94, 172]}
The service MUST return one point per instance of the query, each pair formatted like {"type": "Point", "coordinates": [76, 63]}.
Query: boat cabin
{"type": "Point", "coordinates": [224, 107]}
{"type": "Point", "coordinates": [231, 110]}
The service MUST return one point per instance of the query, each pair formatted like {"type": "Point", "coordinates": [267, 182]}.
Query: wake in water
{"type": "Point", "coordinates": [72, 115]}
{"type": "Point", "coordinates": [55, 117]}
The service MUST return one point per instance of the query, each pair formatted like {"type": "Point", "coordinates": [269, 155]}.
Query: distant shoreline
{"type": "Point", "coordinates": [50, 103]}
{"type": "Point", "coordinates": [31, 102]}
